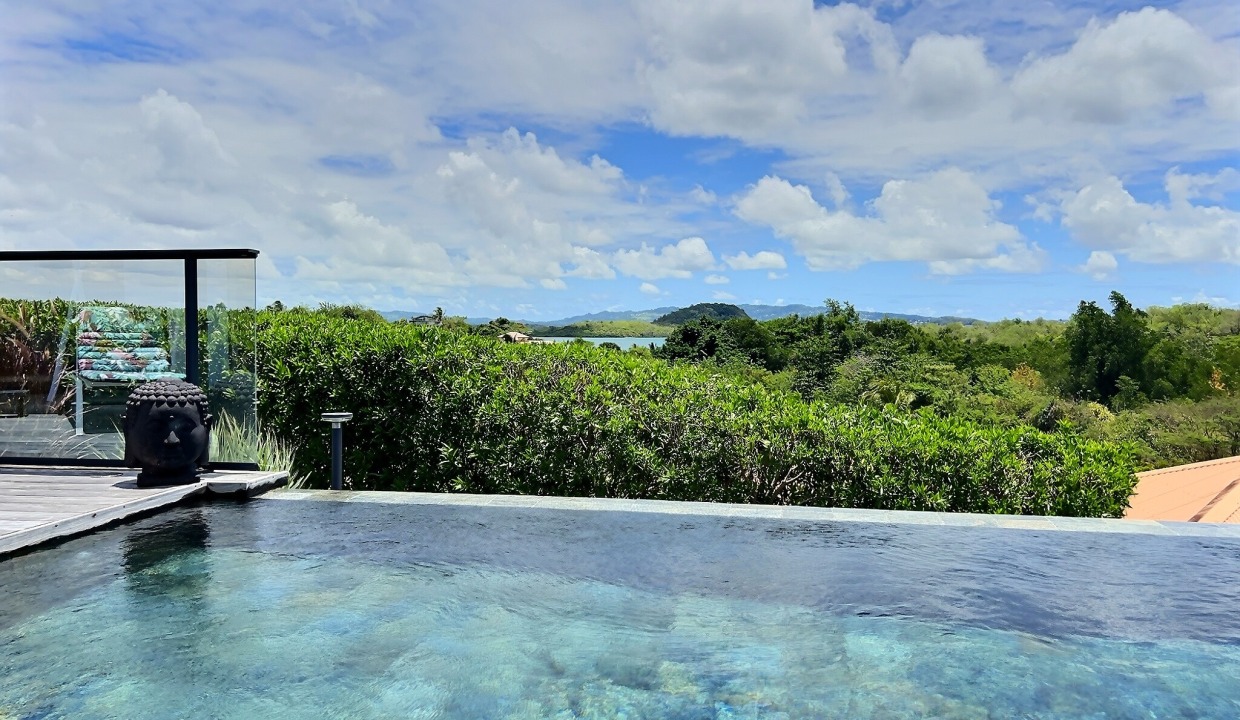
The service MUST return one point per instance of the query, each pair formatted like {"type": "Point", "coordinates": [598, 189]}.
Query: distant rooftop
{"type": "Point", "coordinates": [1200, 492]}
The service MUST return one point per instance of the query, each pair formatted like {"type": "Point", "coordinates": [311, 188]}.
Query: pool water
{"type": "Point", "coordinates": [307, 609]}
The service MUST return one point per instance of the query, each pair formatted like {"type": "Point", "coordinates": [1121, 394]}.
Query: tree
{"type": "Point", "coordinates": [756, 343]}
{"type": "Point", "coordinates": [701, 339]}
{"type": "Point", "coordinates": [499, 326]}
{"type": "Point", "coordinates": [1102, 348]}
{"type": "Point", "coordinates": [835, 336]}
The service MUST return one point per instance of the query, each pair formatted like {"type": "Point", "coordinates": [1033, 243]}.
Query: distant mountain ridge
{"type": "Point", "coordinates": [770, 312]}
{"type": "Point", "coordinates": [647, 315]}
{"type": "Point", "coordinates": [757, 312]}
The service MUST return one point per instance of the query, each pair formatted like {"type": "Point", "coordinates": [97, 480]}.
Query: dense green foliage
{"type": "Point", "coordinates": [828, 409]}
{"type": "Point", "coordinates": [1165, 379]}
{"type": "Point", "coordinates": [604, 328]}
{"type": "Point", "coordinates": [717, 311]}
{"type": "Point", "coordinates": [439, 410]}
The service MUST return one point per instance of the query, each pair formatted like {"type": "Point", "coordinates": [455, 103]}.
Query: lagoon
{"type": "Point", "coordinates": [624, 342]}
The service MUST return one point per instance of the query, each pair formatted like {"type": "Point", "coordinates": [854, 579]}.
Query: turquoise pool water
{"type": "Point", "coordinates": [298, 609]}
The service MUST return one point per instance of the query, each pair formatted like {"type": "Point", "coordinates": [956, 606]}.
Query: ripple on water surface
{"type": "Point", "coordinates": [283, 609]}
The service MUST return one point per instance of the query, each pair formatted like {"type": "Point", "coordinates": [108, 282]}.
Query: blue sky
{"type": "Point", "coordinates": [546, 158]}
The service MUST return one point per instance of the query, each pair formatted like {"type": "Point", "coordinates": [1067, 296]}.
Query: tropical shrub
{"type": "Point", "coordinates": [443, 411]}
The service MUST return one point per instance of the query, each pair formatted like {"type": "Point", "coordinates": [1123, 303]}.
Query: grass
{"type": "Point", "coordinates": [235, 441]}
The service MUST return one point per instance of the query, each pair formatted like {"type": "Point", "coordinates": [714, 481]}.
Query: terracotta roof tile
{"type": "Point", "coordinates": [1200, 492]}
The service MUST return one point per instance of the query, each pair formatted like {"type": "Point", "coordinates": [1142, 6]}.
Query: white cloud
{"type": "Point", "coordinates": [1140, 61]}
{"type": "Point", "coordinates": [946, 219]}
{"type": "Point", "coordinates": [188, 150]}
{"type": "Point", "coordinates": [224, 131]}
{"type": "Point", "coordinates": [717, 280]}
{"type": "Point", "coordinates": [1203, 185]}
{"type": "Point", "coordinates": [761, 260]}
{"type": "Point", "coordinates": [1105, 216]}
{"type": "Point", "coordinates": [946, 76]}
{"type": "Point", "coordinates": [533, 211]}
{"type": "Point", "coordinates": [747, 68]}
{"type": "Point", "coordinates": [553, 284]}
{"type": "Point", "coordinates": [839, 193]}
{"type": "Point", "coordinates": [1215, 300]}
{"type": "Point", "coordinates": [721, 295]}
{"type": "Point", "coordinates": [703, 196]}
{"type": "Point", "coordinates": [590, 264]}
{"type": "Point", "coordinates": [521, 156]}
{"type": "Point", "coordinates": [1101, 265]}
{"type": "Point", "coordinates": [649, 289]}
{"type": "Point", "coordinates": [676, 261]}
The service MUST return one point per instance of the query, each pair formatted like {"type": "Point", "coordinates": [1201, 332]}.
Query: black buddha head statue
{"type": "Point", "coordinates": [167, 432]}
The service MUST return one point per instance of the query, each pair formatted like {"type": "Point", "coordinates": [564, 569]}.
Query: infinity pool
{"type": "Point", "coordinates": [312, 609]}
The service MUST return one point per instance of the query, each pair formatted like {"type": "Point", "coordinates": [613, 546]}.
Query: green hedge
{"type": "Point", "coordinates": [442, 411]}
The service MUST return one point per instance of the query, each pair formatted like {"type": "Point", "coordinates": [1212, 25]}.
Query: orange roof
{"type": "Point", "coordinates": [1200, 492]}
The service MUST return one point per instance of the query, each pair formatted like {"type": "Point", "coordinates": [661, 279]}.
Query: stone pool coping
{"type": "Point", "coordinates": [769, 512]}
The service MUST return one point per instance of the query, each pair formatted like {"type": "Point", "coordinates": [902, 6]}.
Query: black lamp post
{"type": "Point", "coordinates": [337, 419]}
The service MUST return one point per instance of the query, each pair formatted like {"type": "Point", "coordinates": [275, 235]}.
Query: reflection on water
{"type": "Point", "coordinates": [169, 558]}
{"type": "Point", "coordinates": [308, 610]}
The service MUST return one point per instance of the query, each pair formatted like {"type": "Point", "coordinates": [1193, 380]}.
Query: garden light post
{"type": "Point", "coordinates": [337, 419]}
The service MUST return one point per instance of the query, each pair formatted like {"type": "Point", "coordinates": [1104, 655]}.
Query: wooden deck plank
{"type": "Point", "coordinates": [38, 505]}
{"type": "Point", "coordinates": [82, 522]}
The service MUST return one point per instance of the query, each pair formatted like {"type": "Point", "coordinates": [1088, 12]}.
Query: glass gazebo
{"type": "Point", "coordinates": [80, 329]}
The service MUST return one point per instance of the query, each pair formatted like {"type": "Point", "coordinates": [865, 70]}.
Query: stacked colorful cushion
{"type": "Point", "coordinates": [112, 346]}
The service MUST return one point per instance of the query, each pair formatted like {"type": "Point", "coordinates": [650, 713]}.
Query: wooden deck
{"type": "Point", "coordinates": [42, 504]}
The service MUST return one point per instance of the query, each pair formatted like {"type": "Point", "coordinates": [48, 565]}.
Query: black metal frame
{"type": "Point", "coordinates": [192, 351]}
{"type": "Point", "coordinates": [207, 254]}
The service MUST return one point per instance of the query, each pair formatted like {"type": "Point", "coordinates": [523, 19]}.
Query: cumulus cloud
{"type": "Point", "coordinates": [521, 155]}
{"type": "Point", "coordinates": [680, 260]}
{"type": "Point", "coordinates": [534, 211]}
{"type": "Point", "coordinates": [504, 211]}
{"type": "Point", "coordinates": [590, 264]}
{"type": "Point", "coordinates": [749, 67]}
{"type": "Point", "coordinates": [703, 196]}
{"type": "Point", "coordinates": [649, 289]}
{"type": "Point", "coordinates": [318, 141]}
{"type": "Point", "coordinates": [717, 280]}
{"type": "Point", "coordinates": [1139, 61]}
{"type": "Point", "coordinates": [187, 148]}
{"type": "Point", "coordinates": [721, 295]}
{"type": "Point", "coordinates": [761, 260]}
{"type": "Point", "coordinates": [1105, 216]}
{"type": "Point", "coordinates": [946, 76]}
{"type": "Point", "coordinates": [1100, 265]}
{"type": "Point", "coordinates": [946, 219]}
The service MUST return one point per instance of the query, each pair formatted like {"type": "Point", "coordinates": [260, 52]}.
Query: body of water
{"type": "Point", "coordinates": [282, 609]}
{"type": "Point", "coordinates": [624, 342]}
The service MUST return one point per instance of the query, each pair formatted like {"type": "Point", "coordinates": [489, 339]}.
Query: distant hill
{"type": "Point", "coordinates": [757, 312]}
{"type": "Point", "coordinates": [770, 312]}
{"type": "Point", "coordinates": [718, 311]}
{"type": "Point", "coordinates": [647, 315]}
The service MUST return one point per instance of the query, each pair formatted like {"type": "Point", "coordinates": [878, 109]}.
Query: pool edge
{"type": "Point", "coordinates": [770, 512]}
